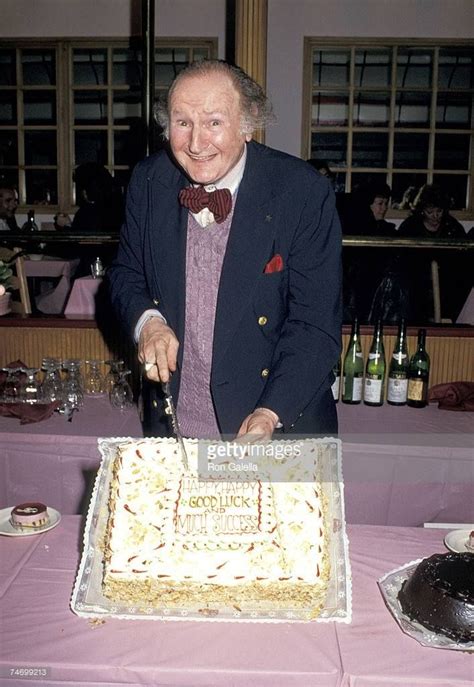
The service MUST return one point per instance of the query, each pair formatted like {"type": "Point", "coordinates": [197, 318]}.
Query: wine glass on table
{"type": "Point", "coordinates": [94, 380]}
{"type": "Point", "coordinates": [112, 376]}
{"type": "Point", "coordinates": [52, 385]}
{"type": "Point", "coordinates": [11, 388]}
{"type": "Point", "coordinates": [30, 389]}
{"type": "Point", "coordinates": [121, 395]}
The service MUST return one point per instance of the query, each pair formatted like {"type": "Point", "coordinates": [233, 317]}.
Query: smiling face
{"type": "Point", "coordinates": [379, 207]}
{"type": "Point", "coordinates": [205, 129]}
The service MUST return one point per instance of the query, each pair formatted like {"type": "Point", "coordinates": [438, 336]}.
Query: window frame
{"type": "Point", "coordinates": [394, 44]}
{"type": "Point", "coordinates": [65, 89]}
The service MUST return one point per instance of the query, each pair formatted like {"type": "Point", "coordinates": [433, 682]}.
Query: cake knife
{"type": "Point", "coordinates": [171, 411]}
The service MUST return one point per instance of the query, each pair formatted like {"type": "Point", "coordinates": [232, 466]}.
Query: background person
{"type": "Point", "coordinates": [8, 206]}
{"type": "Point", "coordinates": [250, 299]}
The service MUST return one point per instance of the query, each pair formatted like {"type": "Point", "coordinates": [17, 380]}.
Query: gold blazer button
{"type": "Point", "coordinates": [265, 372]}
{"type": "Point", "coordinates": [262, 320]}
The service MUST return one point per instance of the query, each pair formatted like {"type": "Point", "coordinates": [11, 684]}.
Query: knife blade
{"type": "Point", "coordinates": [171, 411]}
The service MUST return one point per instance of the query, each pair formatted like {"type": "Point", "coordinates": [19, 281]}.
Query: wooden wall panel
{"type": "Point", "coordinates": [451, 357]}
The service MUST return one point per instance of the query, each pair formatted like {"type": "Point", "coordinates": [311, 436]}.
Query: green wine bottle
{"type": "Point", "coordinates": [375, 369]}
{"type": "Point", "coordinates": [353, 368]}
{"type": "Point", "coordinates": [398, 369]}
{"type": "Point", "coordinates": [336, 386]}
{"type": "Point", "coordinates": [419, 374]}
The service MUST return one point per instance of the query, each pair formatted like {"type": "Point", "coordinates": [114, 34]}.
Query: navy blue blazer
{"type": "Point", "coordinates": [283, 207]}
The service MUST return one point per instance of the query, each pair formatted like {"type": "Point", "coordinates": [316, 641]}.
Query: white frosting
{"type": "Point", "coordinates": [171, 525]}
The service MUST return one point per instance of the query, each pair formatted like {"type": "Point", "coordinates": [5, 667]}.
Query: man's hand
{"type": "Point", "coordinates": [158, 350]}
{"type": "Point", "coordinates": [258, 426]}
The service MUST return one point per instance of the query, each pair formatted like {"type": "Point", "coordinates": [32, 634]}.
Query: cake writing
{"type": "Point", "coordinates": [215, 507]}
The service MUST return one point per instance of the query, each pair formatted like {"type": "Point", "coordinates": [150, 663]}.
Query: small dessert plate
{"type": "Point", "coordinates": [7, 529]}
{"type": "Point", "coordinates": [456, 541]}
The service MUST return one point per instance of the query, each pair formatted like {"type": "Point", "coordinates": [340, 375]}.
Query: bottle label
{"type": "Point", "coordinates": [374, 356]}
{"type": "Point", "coordinates": [416, 388]}
{"type": "Point", "coordinates": [335, 388]}
{"type": "Point", "coordinates": [356, 388]}
{"type": "Point", "coordinates": [373, 389]}
{"type": "Point", "coordinates": [359, 354]}
{"type": "Point", "coordinates": [397, 389]}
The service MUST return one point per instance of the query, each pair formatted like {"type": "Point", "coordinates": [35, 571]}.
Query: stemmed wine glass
{"type": "Point", "coordinates": [111, 378]}
{"type": "Point", "coordinates": [52, 386]}
{"type": "Point", "coordinates": [121, 395]}
{"type": "Point", "coordinates": [30, 389]}
{"type": "Point", "coordinates": [73, 387]}
{"type": "Point", "coordinates": [11, 388]}
{"type": "Point", "coordinates": [94, 381]}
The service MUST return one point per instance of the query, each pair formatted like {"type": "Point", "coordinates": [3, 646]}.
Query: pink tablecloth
{"type": "Point", "coordinates": [38, 629]}
{"type": "Point", "coordinates": [55, 461]}
{"type": "Point", "coordinates": [52, 301]}
{"type": "Point", "coordinates": [400, 477]}
{"type": "Point", "coordinates": [82, 299]}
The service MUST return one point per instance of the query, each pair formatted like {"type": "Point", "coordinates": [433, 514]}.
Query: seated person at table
{"type": "Point", "coordinates": [8, 206]}
{"type": "Point", "coordinates": [378, 197]}
{"type": "Point", "coordinates": [431, 217]}
{"type": "Point", "coordinates": [100, 202]}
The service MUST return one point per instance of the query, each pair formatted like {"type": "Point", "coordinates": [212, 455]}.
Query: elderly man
{"type": "Point", "coordinates": [8, 206]}
{"type": "Point", "coordinates": [228, 269]}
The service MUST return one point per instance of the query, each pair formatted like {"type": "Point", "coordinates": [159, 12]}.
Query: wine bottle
{"type": "Point", "coordinates": [419, 374]}
{"type": "Point", "coordinates": [353, 368]}
{"type": "Point", "coordinates": [30, 224]}
{"type": "Point", "coordinates": [375, 369]}
{"type": "Point", "coordinates": [398, 369]}
{"type": "Point", "coordinates": [336, 386]}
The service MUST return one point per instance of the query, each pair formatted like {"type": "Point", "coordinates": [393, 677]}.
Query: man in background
{"type": "Point", "coordinates": [8, 206]}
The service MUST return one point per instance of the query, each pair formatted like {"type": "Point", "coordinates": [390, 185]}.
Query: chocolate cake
{"type": "Point", "coordinates": [29, 516]}
{"type": "Point", "coordinates": [440, 595]}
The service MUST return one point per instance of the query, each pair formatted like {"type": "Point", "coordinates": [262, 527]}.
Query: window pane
{"type": "Point", "coordinates": [451, 151]}
{"type": "Point", "coordinates": [8, 148]}
{"type": "Point", "coordinates": [455, 185]}
{"type": "Point", "coordinates": [414, 68]}
{"type": "Point", "coordinates": [454, 110]}
{"type": "Point", "coordinates": [412, 109]}
{"type": "Point", "coordinates": [127, 67]}
{"type": "Point", "coordinates": [456, 68]}
{"type": "Point", "coordinates": [369, 149]}
{"type": "Point", "coordinates": [40, 148]}
{"type": "Point", "coordinates": [330, 109]}
{"type": "Point", "coordinates": [41, 187]}
{"type": "Point", "coordinates": [373, 67]}
{"type": "Point", "coordinates": [89, 67]}
{"type": "Point", "coordinates": [411, 151]}
{"type": "Point", "coordinates": [123, 148]}
{"type": "Point", "coordinates": [90, 146]}
{"type": "Point", "coordinates": [362, 179]}
{"type": "Point", "coordinates": [371, 109]}
{"type": "Point", "coordinates": [200, 53]}
{"type": "Point", "coordinates": [39, 107]}
{"type": "Point", "coordinates": [8, 107]}
{"type": "Point", "coordinates": [331, 147]}
{"type": "Point", "coordinates": [127, 106]}
{"type": "Point", "coordinates": [39, 67]}
{"type": "Point", "coordinates": [7, 68]}
{"type": "Point", "coordinates": [331, 67]}
{"type": "Point", "coordinates": [405, 188]}
{"type": "Point", "coordinates": [168, 63]}
{"type": "Point", "coordinates": [9, 177]}
{"type": "Point", "coordinates": [90, 107]}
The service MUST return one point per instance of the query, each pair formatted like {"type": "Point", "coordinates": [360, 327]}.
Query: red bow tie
{"type": "Point", "coordinates": [197, 198]}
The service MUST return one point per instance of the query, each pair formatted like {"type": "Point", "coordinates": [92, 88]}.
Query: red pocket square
{"type": "Point", "coordinates": [274, 265]}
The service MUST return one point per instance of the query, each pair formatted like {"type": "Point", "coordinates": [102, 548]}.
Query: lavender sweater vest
{"type": "Point", "coordinates": [205, 250]}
